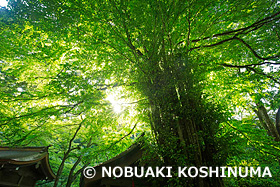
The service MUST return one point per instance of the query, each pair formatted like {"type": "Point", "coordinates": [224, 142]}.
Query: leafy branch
{"type": "Point", "coordinates": [253, 69]}
{"type": "Point", "coordinates": [253, 143]}
{"type": "Point", "coordinates": [244, 30]}
{"type": "Point", "coordinates": [61, 107]}
{"type": "Point", "coordinates": [66, 154]}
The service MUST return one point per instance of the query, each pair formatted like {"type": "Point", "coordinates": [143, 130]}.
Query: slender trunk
{"type": "Point", "coordinates": [71, 176]}
{"type": "Point", "coordinates": [266, 122]}
{"type": "Point", "coordinates": [60, 169]}
{"type": "Point", "coordinates": [66, 154]}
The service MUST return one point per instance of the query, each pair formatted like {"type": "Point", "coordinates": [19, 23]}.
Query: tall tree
{"type": "Point", "coordinates": [170, 51]}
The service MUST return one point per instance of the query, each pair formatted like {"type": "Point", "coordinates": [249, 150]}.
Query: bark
{"type": "Point", "coordinates": [278, 122]}
{"type": "Point", "coordinates": [178, 118]}
{"type": "Point", "coordinates": [71, 176]}
{"type": "Point", "coordinates": [66, 154]}
{"type": "Point", "coordinates": [266, 122]}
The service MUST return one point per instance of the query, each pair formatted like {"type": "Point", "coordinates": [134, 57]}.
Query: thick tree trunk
{"type": "Point", "coordinates": [179, 121]}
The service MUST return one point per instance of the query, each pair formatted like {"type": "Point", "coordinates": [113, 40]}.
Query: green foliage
{"type": "Point", "coordinates": [87, 77]}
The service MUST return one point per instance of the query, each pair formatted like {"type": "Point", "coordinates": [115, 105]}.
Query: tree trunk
{"type": "Point", "coordinates": [180, 121]}
{"type": "Point", "coordinates": [71, 176]}
{"type": "Point", "coordinates": [266, 122]}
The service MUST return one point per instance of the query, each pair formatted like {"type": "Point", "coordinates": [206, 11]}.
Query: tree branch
{"type": "Point", "coordinates": [66, 154]}
{"type": "Point", "coordinates": [249, 65]}
{"type": "Point", "coordinates": [254, 52]}
{"type": "Point", "coordinates": [253, 143]}
{"type": "Point", "coordinates": [119, 139]}
{"type": "Point", "coordinates": [212, 45]}
{"type": "Point", "coordinates": [250, 28]}
{"type": "Point", "coordinates": [252, 69]}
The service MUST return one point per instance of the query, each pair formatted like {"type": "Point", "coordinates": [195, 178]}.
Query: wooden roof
{"type": "Point", "coordinates": [23, 166]}
{"type": "Point", "coordinates": [130, 157]}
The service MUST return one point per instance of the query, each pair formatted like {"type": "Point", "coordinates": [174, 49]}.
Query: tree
{"type": "Point", "coordinates": [178, 55]}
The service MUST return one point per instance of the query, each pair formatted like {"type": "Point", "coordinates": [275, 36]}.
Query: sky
{"type": "Point", "coordinates": [3, 3]}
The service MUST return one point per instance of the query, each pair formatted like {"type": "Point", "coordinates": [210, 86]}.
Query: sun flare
{"type": "Point", "coordinates": [3, 3]}
{"type": "Point", "coordinates": [112, 98]}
